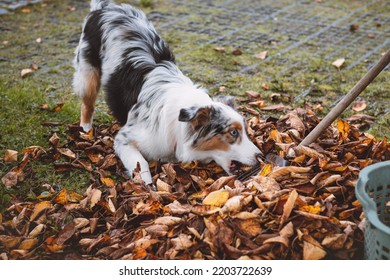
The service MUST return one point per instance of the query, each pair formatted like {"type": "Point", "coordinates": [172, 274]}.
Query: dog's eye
{"type": "Point", "coordinates": [234, 133]}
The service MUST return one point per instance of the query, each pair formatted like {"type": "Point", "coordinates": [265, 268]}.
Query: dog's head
{"type": "Point", "coordinates": [217, 132]}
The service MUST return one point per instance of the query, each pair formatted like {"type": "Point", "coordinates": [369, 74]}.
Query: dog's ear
{"type": "Point", "coordinates": [198, 117]}
{"type": "Point", "coordinates": [226, 99]}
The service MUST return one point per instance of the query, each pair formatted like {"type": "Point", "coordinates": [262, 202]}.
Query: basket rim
{"type": "Point", "coordinates": [369, 206]}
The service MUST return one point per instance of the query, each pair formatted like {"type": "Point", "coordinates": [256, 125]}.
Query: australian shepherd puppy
{"type": "Point", "coordinates": [165, 116]}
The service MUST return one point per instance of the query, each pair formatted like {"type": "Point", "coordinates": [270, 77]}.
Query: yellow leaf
{"type": "Point", "coordinates": [343, 128]}
{"type": "Point", "coordinates": [216, 198]}
{"type": "Point", "coordinates": [267, 169]}
{"type": "Point", "coordinates": [39, 207]}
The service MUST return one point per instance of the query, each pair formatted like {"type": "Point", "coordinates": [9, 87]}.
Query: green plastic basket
{"type": "Point", "coordinates": [373, 192]}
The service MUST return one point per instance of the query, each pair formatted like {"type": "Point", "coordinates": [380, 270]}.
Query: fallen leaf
{"type": "Point", "coordinates": [278, 239]}
{"type": "Point", "coordinates": [177, 208]}
{"type": "Point", "coordinates": [108, 182]}
{"type": "Point", "coordinates": [66, 233]}
{"type": "Point", "coordinates": [359, 106]}
{"type": "Point", "coordinates": [288, 206]}
{"type": "Point", "coordinates": [39, 208]}
{"type": "Point", "coordinates": [67, 152]}
{"type": "Point", "coordinates": [10, 156]}
{"type": "Point", "coordinates": [219, 49]}
{"type": "Point", "coordinates": [233, 204]}
{"type": "Point", "coordinates": [338, 62]}
{"type": "Point", "coordinates": [237, 51]}
{"type": "Point", "coordinates": [168, 220]}
{"type": "Point", "coordinates": [204, 210]}
{"type": "Point", "coordinates": [10, 242]}
{"type": "Point", "coordinates": [28, 244]}
{"type": "Point", "coordinates": [95, 197]}
{"type": "Point", "coordinates": [157, 230]}
{"type": "Point", "coordinates": [261, 55]}
{"type": "Point", "coordinates": [312, 252]}
{"type": "Point", "coordinates": [36, 231]}
{"type": "Point", "coordinates": [216, 198]}
{"type": "Point", "coordinates": [25, 72]}
{"type": "Point", "coordinates": [182, 242]}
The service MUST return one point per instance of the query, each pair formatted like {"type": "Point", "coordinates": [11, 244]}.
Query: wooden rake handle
{"type": "Point", "coordinates": [347, 100]}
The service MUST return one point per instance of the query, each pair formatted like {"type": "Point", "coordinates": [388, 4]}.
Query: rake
{"type": "Point", "coordinates": [333, 114]}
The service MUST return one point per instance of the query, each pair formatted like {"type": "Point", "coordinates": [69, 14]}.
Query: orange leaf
{"type": "Point", "coordinates": [108, 182]}
{"type": "Point", "coordinates": [62, 197]}
{"type": "Point", "coordinates": [39, 207]}
{"type": "Point", "coordinates": [343, 128]}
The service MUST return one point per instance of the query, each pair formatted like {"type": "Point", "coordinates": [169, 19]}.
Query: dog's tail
{"type": "Point", "coordinates": [99, 4]}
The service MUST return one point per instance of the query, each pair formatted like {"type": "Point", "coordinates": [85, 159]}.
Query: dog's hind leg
{"type": "Point", "coordinates": [86, 84]}
{"type": "Point", "coordinates": [126, 149]}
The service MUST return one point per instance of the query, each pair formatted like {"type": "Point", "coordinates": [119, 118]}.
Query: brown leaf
{"type": "Point", "coordinates": [10, 242]}
{"type": "Point", "coordinates": [252, 94]}
{"type": "Point", "coordinates": [359, 106]}
{"type": "Point", "coordinates": [80, 222]}
{"type": "Point", "coordinates": [312, 252]}
{"type": "Point", "coordinates": [288, 206]}
{"type": "Point", "coordinates": [282, 171]}
{"type": "Point", "coordinates": [67, 152]}
{"type": "Point", "coordinates": [162, 186]}
{"type": "Point", "coordinates": [39, 208]}
{"type": "Point", "coordinates": [10, 156]}
{"type": "Point", "coordinates": [95, 197]}
{"type": "Point", "coordinates": [36, 231]}
{"type": "Point", "coordinates": [233, 204]}
{"type": "Point", "coordinates": [278, 239]}
{"type": "Point", "coordinates": [204, 210]}
{"type": "Point", "coordinates": [182, 242]}
{"type": "Point", "coordinates": [237, 51]}
{"type": "Point", "coordinates": [251, 227]}
{"type": "Point", "coordinates": [168, 220]}
{"type": "Point", "coordinates": [109, 160]}
{"type": "Point", "coordinates": [66, 233]}
{"type": "Point", "coordinates": [278, 107]}
{"type": "Point", "coordinates": [177, 208]}
{"type": "Point", "coordinates": [54, 140]}
{"type": "Point", "coordinates": [28, 244]}
{"type": "Point", "coordinates": [221, 182]}
{"type": "Point", "coordinates": [157, 230]}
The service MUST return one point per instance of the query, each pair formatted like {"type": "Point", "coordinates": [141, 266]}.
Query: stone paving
{"type": "Point", "coordinates": [8, 6]}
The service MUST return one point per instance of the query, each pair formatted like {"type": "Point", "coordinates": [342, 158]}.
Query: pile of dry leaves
{"type": "Point", "coordinates": [305, 210]}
